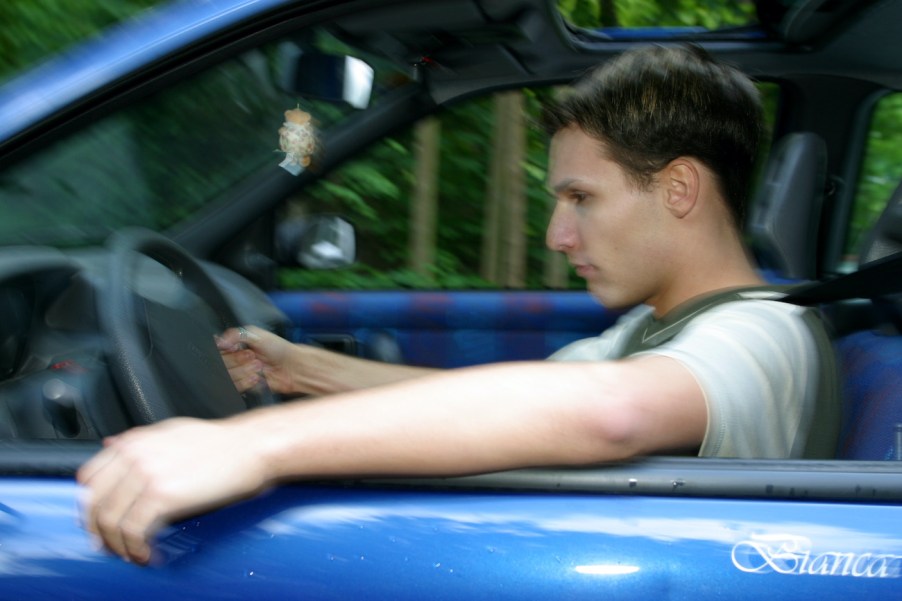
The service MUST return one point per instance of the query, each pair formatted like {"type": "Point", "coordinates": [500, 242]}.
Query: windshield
{"type": "Point", "coordinates": [633, 15]}
{"type": "Point", "coordinates": [162, 159]}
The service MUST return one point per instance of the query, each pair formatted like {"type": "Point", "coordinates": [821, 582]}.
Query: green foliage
{"type": "Point", "coordinates": [711, 14]}
{"type": "Point", "coordinates": [881, 170]}
{"type": "Point", "coordinates": [372, 191]}
{"type": "Point", "coordinates": [376, 188]}
{"type": "Point", "coordinates": [586, 13]}
{"type": "Point", "coordinates": [33, 29]}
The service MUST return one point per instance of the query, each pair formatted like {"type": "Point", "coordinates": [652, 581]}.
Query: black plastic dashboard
{"type": "Point", "coordinates": [55, 381]}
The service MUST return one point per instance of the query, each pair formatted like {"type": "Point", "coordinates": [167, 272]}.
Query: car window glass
{"type": "Point", "coordinates": [163, 159]}
{"type": "Point", "coordinates": [881, 171]}
{"type": "Point", "coordinates": [413, 197]}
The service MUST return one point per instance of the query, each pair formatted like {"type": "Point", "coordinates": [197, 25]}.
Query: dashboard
{"type": "Point", "coordinates": [55, 370]}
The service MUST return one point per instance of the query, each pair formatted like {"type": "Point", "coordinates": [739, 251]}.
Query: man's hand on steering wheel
{"type": "Point", "coordinates": [252, 354]}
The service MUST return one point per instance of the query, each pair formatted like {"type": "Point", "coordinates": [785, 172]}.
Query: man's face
{"type": "Point", "coordinates": [610, 229]}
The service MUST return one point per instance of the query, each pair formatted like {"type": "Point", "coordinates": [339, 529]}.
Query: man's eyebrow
{"type": "Point", "coordinates": [563, 185]}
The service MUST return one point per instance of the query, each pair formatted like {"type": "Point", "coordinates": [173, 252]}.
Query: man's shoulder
{"type": "Point", "coordinates": [757, 304]}
{"type": "Point", "coordinates": [756, 316]}
{"type": "Point", "coordinates": [758, 301]}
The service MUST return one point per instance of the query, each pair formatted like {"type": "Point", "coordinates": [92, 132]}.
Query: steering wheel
{"type": "Point", "coordinates": [162, 352]}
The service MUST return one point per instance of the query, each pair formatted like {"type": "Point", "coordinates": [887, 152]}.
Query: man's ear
{"type": "Point", "coordinates": [680, 183]}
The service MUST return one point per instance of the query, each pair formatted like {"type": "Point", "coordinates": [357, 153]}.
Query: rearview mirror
{"type": "Point", "coordinates": [328, 77]}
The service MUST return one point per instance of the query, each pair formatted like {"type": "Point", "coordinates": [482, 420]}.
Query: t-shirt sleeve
{"type": "Point", "coordinates": [757, 364]}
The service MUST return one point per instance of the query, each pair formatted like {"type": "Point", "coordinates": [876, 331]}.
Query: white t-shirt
{"type": "Point", "coordinates": [756, 361]}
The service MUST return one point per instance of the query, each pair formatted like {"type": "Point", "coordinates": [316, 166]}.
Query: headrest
{"type": "Point", "coordinates": [786, 211]}
{"type": "Point", "coordinates": [885, 237]}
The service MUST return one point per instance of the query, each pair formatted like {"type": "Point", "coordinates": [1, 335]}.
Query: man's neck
{"type": "Point", "coordinates": [704, 279]}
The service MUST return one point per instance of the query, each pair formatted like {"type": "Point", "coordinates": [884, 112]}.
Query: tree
{"type": "Point", "coordinates": [504, 229]}
{"type": "Point", "coordinates": [424, 204]}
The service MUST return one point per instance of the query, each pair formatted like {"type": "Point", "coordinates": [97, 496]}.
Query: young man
{"type": "Point", "coordinates": [650, 165]}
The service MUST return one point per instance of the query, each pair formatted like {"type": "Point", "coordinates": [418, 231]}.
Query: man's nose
{"type": "Point", "coordinates": [561, 233]}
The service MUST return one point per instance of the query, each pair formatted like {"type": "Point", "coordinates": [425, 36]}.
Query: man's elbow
{"type": "Point", "coordinates": [614, 428]}
{"type": "Point", "coordinates": [644, 406]}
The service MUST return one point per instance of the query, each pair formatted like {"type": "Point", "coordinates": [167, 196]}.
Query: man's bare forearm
{"type": "Point", "coordinates": [319, 371]}
{"type": "Point", "coordinates": [459, 422]}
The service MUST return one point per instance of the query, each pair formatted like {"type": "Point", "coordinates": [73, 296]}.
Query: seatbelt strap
{"type": "Point", "coordinates": [872, 280]}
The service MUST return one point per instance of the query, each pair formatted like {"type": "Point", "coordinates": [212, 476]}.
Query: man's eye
{"type": "Point", "coordinates": [578, 197]}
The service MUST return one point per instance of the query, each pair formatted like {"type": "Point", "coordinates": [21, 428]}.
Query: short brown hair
{"type": "Point", "coordinates": [651, 105]}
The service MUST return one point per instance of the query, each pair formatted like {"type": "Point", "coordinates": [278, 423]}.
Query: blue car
{"type": "Point", "coordinates": [152, 193]}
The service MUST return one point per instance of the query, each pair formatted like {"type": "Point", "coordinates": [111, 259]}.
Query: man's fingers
{"type": "Point", "coordinates": [137, 528]}
{"type": "Point", "coordinates": [244, 369]}
{"type": "Point", "coordinates": [117, 509]}
{"type": "Point", "coordinates": [237, 338]}
{"type": "Point", "coordinates": [139, 481]}
{"type": "Point", "coordinates": [238, 358]}
{"type": "Point", "coordinates": [92, 467]}
{"type": "Point", "coordinates": [230, 340]}
{"type": "Point", "coordinates": [112, 492]}
{"type": "Point", "coordinates": [111, 513]}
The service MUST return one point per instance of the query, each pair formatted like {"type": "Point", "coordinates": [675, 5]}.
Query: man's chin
{"type": "Point", "coordinates": [609, 299]}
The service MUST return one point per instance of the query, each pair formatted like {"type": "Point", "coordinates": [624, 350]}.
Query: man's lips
{"type": "Point", "coordinates": [583, 270]}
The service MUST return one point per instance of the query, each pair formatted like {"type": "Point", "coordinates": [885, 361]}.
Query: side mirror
{"type": "Point", "coordinates": [318, 242]}
{"type": "Point", "coordinates": [328, 77]}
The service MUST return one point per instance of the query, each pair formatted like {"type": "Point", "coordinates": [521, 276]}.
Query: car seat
{"type": "Point", "coordinates": [871, 360]}
{"type": "Point", "coordinates": [786, 209]}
